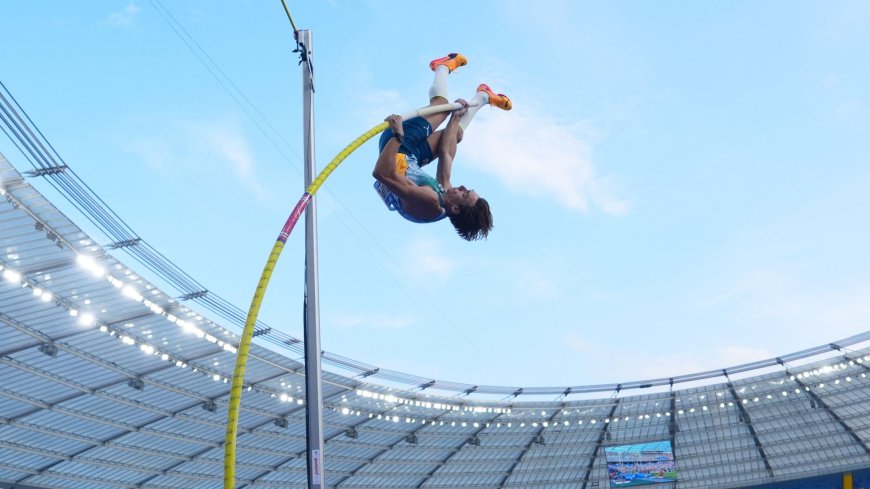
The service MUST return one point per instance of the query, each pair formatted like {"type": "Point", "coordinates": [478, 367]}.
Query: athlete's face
{"type": "Point", "coordinates": [459, 197]}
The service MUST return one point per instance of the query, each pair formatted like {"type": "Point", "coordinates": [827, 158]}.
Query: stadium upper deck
{"type": "Point", "coordinates": [109, 381]}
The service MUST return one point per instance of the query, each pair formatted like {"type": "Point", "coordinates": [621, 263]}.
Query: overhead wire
{"type": "Point", "coordinates": [227, 83]}
{"type": "Point", "coordinates": [249, 108]}
{"type": "Point", "coordinates": [22, 138]}
{"type": "Point", "coordinates": [48, 163]}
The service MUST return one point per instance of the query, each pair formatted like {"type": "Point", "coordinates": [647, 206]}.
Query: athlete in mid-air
{"type": "Point", "coordinates": [409, 145]}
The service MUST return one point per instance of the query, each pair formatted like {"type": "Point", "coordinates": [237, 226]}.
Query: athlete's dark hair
{"type": "Point", "coordinates": [473, 222]}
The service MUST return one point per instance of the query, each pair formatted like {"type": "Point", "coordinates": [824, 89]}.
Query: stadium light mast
{"type": "Point", "coordinates": [313, 394]}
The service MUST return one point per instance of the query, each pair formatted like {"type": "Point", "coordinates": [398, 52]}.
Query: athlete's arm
{"type": "Point", "coordinates": [385, 167]}
{"type": "Point", "coordinates": [420, 201]}
{"type": "Point", "coordinates": [450, 138]}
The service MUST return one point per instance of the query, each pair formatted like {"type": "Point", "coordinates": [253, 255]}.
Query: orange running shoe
{"type": "Point", "coordinates": [451, 61]}
{"type": "Point", "coordinates": [499, 100]}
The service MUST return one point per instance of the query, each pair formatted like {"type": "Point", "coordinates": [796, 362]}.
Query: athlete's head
{"type": "Point", "coordinates": [468, 212]}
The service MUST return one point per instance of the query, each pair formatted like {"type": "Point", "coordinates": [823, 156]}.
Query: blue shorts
{"type": "Point", "coordinates": [415, 143]}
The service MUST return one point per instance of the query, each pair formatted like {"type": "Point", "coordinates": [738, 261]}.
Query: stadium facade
{"type": "Point", "coordinates": [107, 380]}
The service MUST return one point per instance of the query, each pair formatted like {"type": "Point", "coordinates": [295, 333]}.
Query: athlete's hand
{"type": "Point", "coordinates": [396, 125]}
{"type": "Point", "coordinates": [461, 111]}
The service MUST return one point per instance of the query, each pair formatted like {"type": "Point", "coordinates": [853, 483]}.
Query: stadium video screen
{"type": "Point", "coordinates": [640, 464]}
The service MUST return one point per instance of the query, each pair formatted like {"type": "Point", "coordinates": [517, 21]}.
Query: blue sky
{"type": "Point", "coordinates": [681, 186]}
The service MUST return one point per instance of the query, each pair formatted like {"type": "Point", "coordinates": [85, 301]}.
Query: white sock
{"type": "Point", "coordinates": [439, 84]}
{"type": "Point", "coordinates": [479, 100]}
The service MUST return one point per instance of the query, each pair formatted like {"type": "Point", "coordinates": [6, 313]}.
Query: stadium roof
{"type": "Point", "coordinates": [109, 381]}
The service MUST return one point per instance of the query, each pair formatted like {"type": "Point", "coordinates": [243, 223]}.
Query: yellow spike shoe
{"type": "Point", "coordinates": [499, 100]}
{"type": "Point", "coordinates": [451, 61]}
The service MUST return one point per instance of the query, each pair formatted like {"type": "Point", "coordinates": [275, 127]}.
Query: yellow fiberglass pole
{"type": "Point", "coordinates": [260, 292]}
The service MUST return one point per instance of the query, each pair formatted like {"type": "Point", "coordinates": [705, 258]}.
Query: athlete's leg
{"type": "Point", "coordinates": [479, 100]}
{"type": "Point", "coordinates": [434, 140]}
{"type": "Point", "coordinates": [438, 94]}
{"type": "Point", "coordinates": [438, 91]}
{"type": "Point", "coordinates": [484, 96]}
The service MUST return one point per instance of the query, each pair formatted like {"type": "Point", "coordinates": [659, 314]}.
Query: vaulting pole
{"type": "Point", "coordinates": [313, 395]}
{"type": "Point", "coordinates": [314, 424]}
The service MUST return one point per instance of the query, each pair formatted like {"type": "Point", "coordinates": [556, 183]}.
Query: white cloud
{"type": "Point", "coordinates": [227, 142]}
{"type": "Point", "coordinates": [157, 156]}
{"type": "Point", "coordinates": [369, 320]}
{"type": "Point", "coordinates": [818, 316]}
{"type": "Point", "coordinates": [534, 281]}
{"type": "Point", "coordinates": [428, 260]}
{"type": "Point", "coordinates": [372, 106]}
{"type": "Point", "coordinates": [578, 343]}
{"type": "Point", "coordinates": [844, 25]}
{"type": "Point", "coordinates": [777, 299]}
{"type": "Point", "coordinates": [536, 156]}
{"type": "Point", "coordinates": [847, 109]}
{"type": "Point", "coordinates": [749, 283]}
{"type": "Point", "coordinates": [730, 356]}
{"type": "Point", "coordinates": [629, 360]}
{"type": "Point", "coordinates": [215, 147]}
{"type": "Point", "coordinates": [553, 20]}
{"type": "Point", "coordinates": [124, 18]}
{"type": "Point", "coordinates": [528, 151]}
{"type": "Point", "coordinates": [643, 366]}
{"type": "Point", "coordinates": [369, 104]}
{"type": "Point", "coordinates": [832, 80]}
